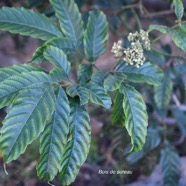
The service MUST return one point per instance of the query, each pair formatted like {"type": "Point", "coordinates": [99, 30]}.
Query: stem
{"type": "Point", "coordinates": [158, 38]}
{"type": "Point", "coordinates": [137, 18]}
{"type": "Point", "coordinates": [167, 54]}
{"type": "Point", "coordinates": [161, 13]}
{"type": "Point", "coordinates": [162, 35]}
{"type": "Point", "coordinates": [128, 7]}
{"type": "Point", "coordinates": [96, 67]}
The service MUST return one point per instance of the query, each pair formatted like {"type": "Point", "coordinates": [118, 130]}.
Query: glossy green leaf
{"type": "Point", "coordinates": [12, 84]}
{"type": "Point", "coordinates": [163, 92]}
{"type": "Point", "coordinates": [53, 139]}
{"type": "Point", "coordinates": [161, 28]}
{"type": "Point", "coordinates": [147, 73]}
{"type": "Point", "coordinates": [178, 35]}
{"type": "Point", "coordinates": [152, 141]}
{"type": "Point", "coordinates": [136, 116]}
{"type": "Point", "coordinates": [118, 116]}
{"type": "Point", "coordinates": [65, 44]}
{"type": "Point", "coordinates": [84, 73]}
{"type": "Point", "coordinates": [113, 81]}
{"type": "Point", "coordinates": [96, 35]}
{"type": "Point", "coordinates": [70, 19]}
{"type": "Point", "coordinates": [59, 59]}
{"type": "Point", "coordinates": [170, 162]}
{"type": "Point", "coordinates": [28, 23]}
{"type": "Point", "coordinates": [77, 149]}
{"type": "Point", "coordinates": [179, 8]}
{"type": "Point", "coordinates": [26, 119]}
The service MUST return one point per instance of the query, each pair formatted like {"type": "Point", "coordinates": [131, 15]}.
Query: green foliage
{"type": "Point", "coordinates": [76, 149]}
{"type": "Point", "coordinates": [85, 72]}
{"type": "Point", "coordinates": [96, 35]}
{"type": "Point", "coordinates": [54, 139]}
{"type": "Point", "coordinates": [118, 117]}
{"type": "Point", "coordinates": [181, 119]}
{"type": "Point", "coordinates": [28, 23]}
{"type": "Point", "coordinates": [40, 107]}
{"type": "Point", "coordinates": [152, 141]}
{"type": "Point", "coordinates": [6, 76]}
{"type": "Point", "coordinates": [11, 86]}
{"type": "Point", "coordinates": [65, 44]}
{"type": "Point", "coordinates": [169, 162]}
{"type": "Point", "coordinates": [99, 77]}
{"type": "Point", "coordinates": [59, 59]}
{"type": "Point", "coordinates": [136, 116]}
{"type": "Point", "coordinates": [19, 127]}
{"type": "Point", "coordinates": [161, 28]}
{"type": "Point", "coordinates": [90, 91]}
{"type": "Point", "coordinates": [113, 81]}
{"type": "Point", "coordinates": [163, 92]}
{"type": "Point", "coordinates": [148, 73]}
{"type": "Point", "coordinates": [69, 18]}
{"type": "Point", "coordinates": [179, 8]}
{"type": "Point", "coordinates": [179, 37]}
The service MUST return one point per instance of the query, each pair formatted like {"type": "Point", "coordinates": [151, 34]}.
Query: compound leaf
{"type": "Point", "coordinates": [136, 116]}
{"type": "Point", "coordinates": [147, 73]}
{"type": "Point", "coordinates": [26, 119]}
{"type": "Point", "coordinates": [70, 19]}
{"type": "Point", "coordinates": [77, 148]}
{"type": "Point", "coordinates": [54, 139]}
{"type": "Point", "coordinates": [28, 23]}
{"type": "Point", "coordinates": [96, 35]}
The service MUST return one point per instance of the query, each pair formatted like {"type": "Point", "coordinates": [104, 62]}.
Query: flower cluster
{"type": "Point", "coordinates": [142, 37]}
{"type": "Point", "coordinates": [117, 49]}
{"type": "Point", "coordinates": [134, 55]}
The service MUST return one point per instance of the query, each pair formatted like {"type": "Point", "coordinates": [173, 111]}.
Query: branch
{"type": "Point", "coordinates": [160, 13]}
{"type": "Point", "coordinates": [167, 120]}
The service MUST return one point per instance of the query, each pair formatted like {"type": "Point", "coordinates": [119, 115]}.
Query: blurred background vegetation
{"type": "Point", "coordinates": [110, 143]}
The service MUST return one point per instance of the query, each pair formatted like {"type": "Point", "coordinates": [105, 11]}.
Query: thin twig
{"type": "Point", "coordinates": [179, 141]}
{"type": "Point", "coordinates": [167, 120]}
{"type": "Point", "coordinates": [137, 18]}
{"type": "Point", "coordinates": [96, 67]}
{"type": "Point", "coordinates": [176, 101]}
{"type": "Point", "coordinates": [167, 54]}
{"type": "Point", "coordinates": [156, 14]}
